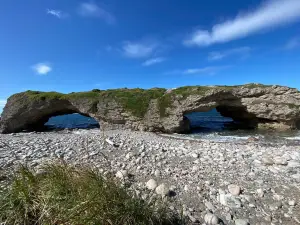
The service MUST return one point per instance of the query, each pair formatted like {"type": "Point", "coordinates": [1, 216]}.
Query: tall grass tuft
{"type": "Point", "coordinates": [69, 195]}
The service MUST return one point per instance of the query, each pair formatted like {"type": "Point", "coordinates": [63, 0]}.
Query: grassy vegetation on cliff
{"type": "Point", "coordinates": [67, 195]}
{"type": "Point", "coordinates": [136, 100]}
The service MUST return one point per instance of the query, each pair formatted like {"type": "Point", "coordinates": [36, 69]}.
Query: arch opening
{"type": "Point", "coordinates": [215, 120]}
{"type": "Point", "coordinates": [71, 121]}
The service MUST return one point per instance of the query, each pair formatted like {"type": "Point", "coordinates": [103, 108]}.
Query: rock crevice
{"type": "Point", "coordinates": [157, 109]}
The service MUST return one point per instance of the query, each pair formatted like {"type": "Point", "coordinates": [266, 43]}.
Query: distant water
{"type": "Point", "coordinates": [71, 121]}
{"type": "Point", "coordinates": [206, 125]}
{"type": "Point", "coordinates": [212, 126]}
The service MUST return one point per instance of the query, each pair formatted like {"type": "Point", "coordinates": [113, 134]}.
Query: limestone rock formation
{"type": "Point", "coordinates": [157, 109]}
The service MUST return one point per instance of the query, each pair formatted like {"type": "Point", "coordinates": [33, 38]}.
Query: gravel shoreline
{"type": "Point", "coordinates": [237, 183]}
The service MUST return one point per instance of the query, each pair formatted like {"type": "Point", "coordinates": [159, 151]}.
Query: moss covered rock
{"type": "Point", "coordinates": [155, 109]}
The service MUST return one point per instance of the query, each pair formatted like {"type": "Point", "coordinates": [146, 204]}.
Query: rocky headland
{"type": "Point", "coordinates": [157, 109]}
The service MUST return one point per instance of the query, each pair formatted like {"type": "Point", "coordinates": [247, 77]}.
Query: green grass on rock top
{"type": "Point", "coordinates": [135, 100]}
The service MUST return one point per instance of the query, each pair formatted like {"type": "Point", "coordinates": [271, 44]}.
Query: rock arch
{"type": "Point", "coordinates": [157, 109]}
{"type": "Point", "coordinates": [35, 114]}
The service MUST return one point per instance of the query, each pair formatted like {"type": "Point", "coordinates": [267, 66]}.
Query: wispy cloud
{"type": "Point", "coordinates": [57, 13]}
{"type": "Point", "coordinates": [42, 68]}
{"type": "Point", "coordinates": [218, 55]}
{"type": "Point", "coordinates": [273, 13]}
{"type": "Point", "coordinates": [209, 70]}
{"type": "Point", "coordinates": [2, 103]}
{"type": "Point", "coordinates": [139, 49]}
{"type": "Point", "coordinates": [153, 61]}
{"type": "Point", "coordinates": [292, 44]}
{"type": "Point", "coordinates": [90, 9]}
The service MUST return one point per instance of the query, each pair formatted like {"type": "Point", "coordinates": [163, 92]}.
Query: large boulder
{"type": "Point", "coordinates": [157, 109]}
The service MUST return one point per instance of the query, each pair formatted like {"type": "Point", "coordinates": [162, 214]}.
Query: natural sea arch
{"type": "Point", "coordinates": [157, 109]}
{"type": "Point", "coordinates": [71, 121]}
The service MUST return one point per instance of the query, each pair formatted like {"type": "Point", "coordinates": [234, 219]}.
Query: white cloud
{"type": "Point", "coordinates": [272, 13]}
{"type": "Point", "coordinates": [139, 49]}
{"type": "Point", "coordinates": [218, 55]}
{"type": "Point", "coordinates": [2, 103]}
{"type": "Point", "coordinates": [292, 44]}
{"type": "Point", "coordinates": [57, 13]}
{"type": "Point", "coordinates": [209, 70]}
{"type": "Point", "coordinates": [153, 61]}
{"type": "Point", "coordinates": [42, 68]}
{"type": "Point", "coordinates": [93, 10]}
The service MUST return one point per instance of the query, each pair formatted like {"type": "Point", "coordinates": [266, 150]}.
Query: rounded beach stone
{"type": "Point", "coordinates": [234, 189]}
{"type": "Point", "coordinates": [162, 190]}
{"type": "Point", "coordinates": [151, 184]}
{"type": "Point", "coordinates": [122, 174]}
{"type": "Point", "coordinates": [211, 219]}
{"type": "Point", "coordinates": [241, 222]}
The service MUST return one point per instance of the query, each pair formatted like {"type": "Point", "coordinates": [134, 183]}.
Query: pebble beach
{"type": "Point", "coordinates": [237, 183]}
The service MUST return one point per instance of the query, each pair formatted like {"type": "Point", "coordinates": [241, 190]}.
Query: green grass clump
{"type": "Point", "coordinates": [134, 100]}
{"type": "Point", "coordinates": [85, 94]}
{"type": "Point", "coordinates": [191, 90]}
{"type": "Point", "coordinates": [256, 85]}
{"type": "Point", "coordinates": [38, 95]}
{"type": "Point", "coordinates": [67, 195]}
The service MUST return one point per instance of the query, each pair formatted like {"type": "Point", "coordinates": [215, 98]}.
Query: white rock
{"type": "Point", "coordinates": [267, 160]}
{"type": "Point", "coordinates": [222, 197]}
{"type": "Point", "coordinates": [195, 155]}
{"type": "Point", "coordinates": [296, 176]}
{"type": "Point", "coordinates": [157, 173]}
{"type": "Point", "coordinates": [162, 190]}
{"type": "Point", "coordinates": [151, 184]}
{"type": "Point", "coordinates": [129, 155]}
{"type": "Point", "coordinates": [211, 219]}
{"type": "Point", "coordinates": [294, 164]}
{"type": "Point", "coordinates": [280, 161]}
{"type": "Point", "coordinates": [234, 189]}
{"type": "Point", "coordinates": [122, 174]}
{"type": "Point", "coordinates": [233, 202]}
{"type": "Point", "coordinates": [110, 142]}
{"type": "Point", "coordinates": [209, 205]}
{"type": "Point", "coordinates": [193, 219]}
{"type": "Point", "coordinates": [260, 192]}
{"type": "Point", "coordinates": [241, 222]}
{"type": "Point", "coordinates": [195, 168]}
{"type": "Point", "coordinates": [292, 203]}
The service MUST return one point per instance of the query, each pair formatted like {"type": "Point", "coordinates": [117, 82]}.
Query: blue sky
{"type": "Point", "coordinates": [78, 45]}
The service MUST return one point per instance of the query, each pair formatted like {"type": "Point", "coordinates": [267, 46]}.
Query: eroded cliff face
{"type": "Point", "coordinates": [157, 109]}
